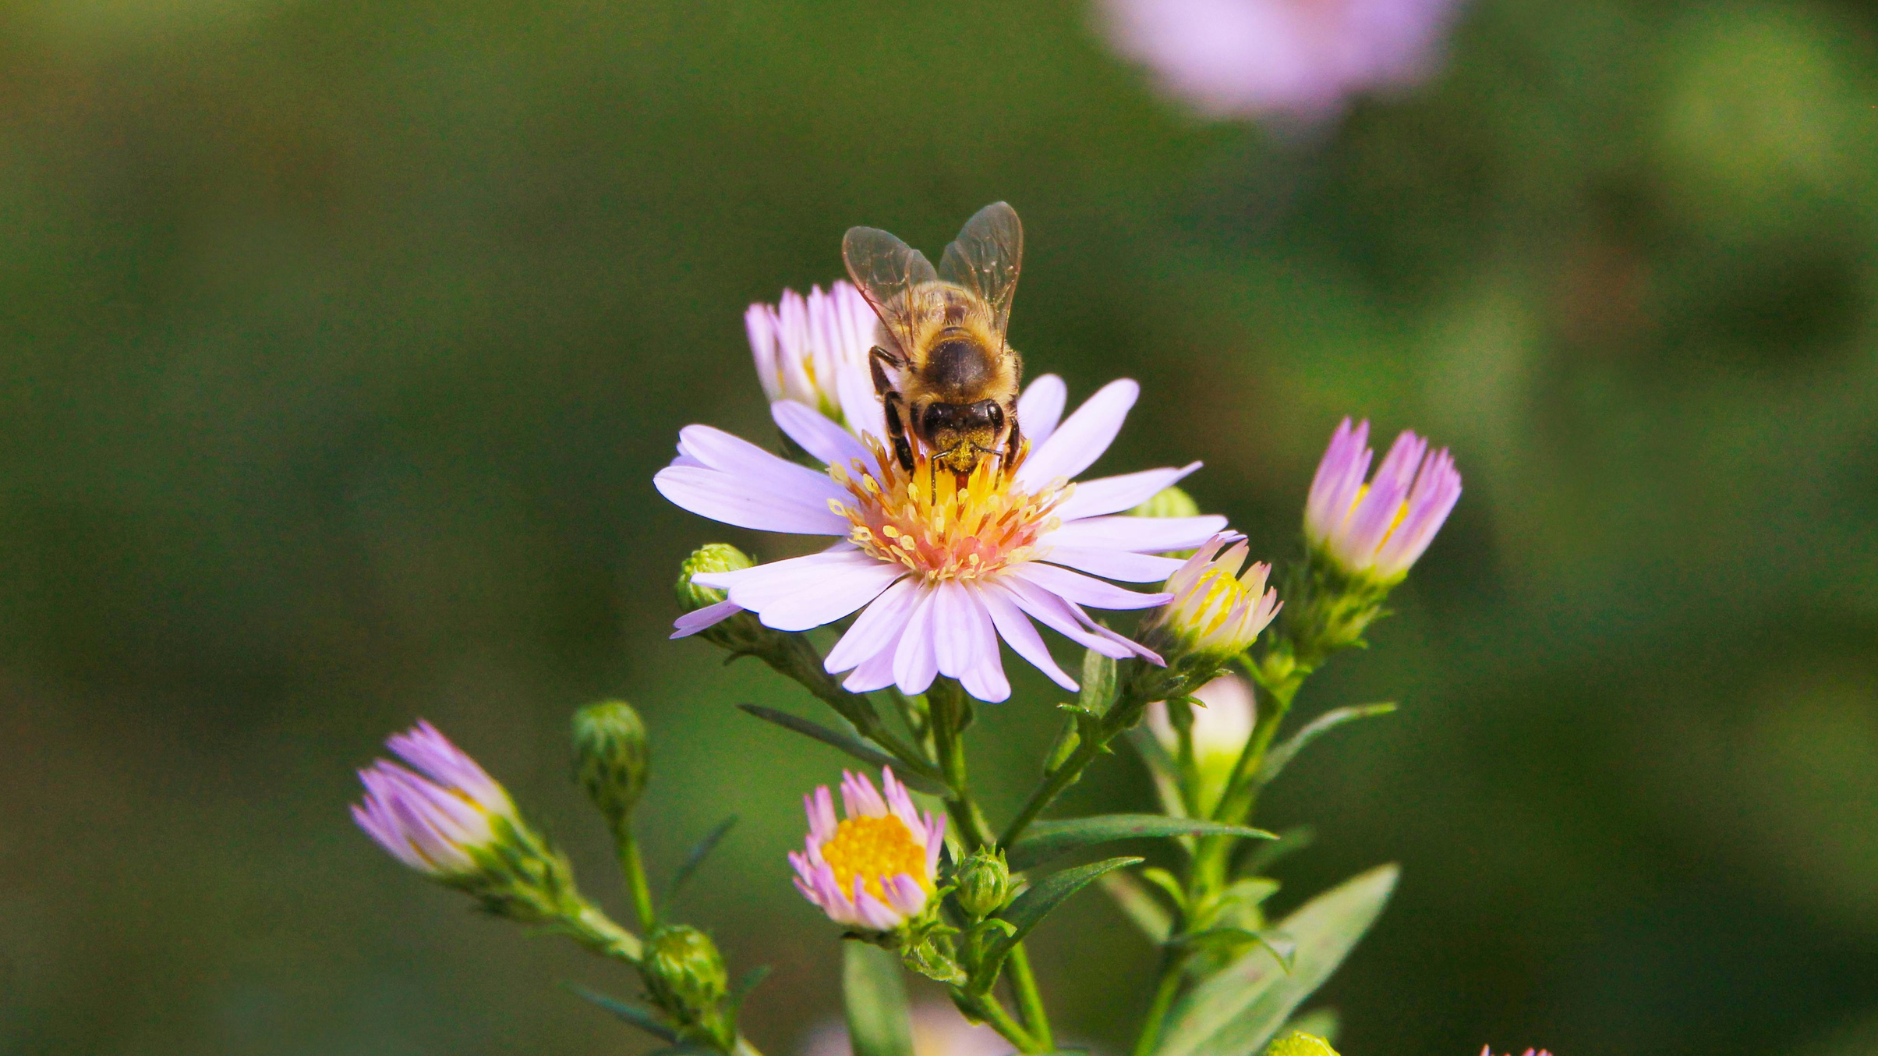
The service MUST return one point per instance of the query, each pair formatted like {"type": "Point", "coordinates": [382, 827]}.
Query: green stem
{"type": "Point", "coordinates": [1029, 998]}
{"type": "Point", "coordinates": [1242, 789]}
{"type": "Point", "coordinates": [597, 932]}
{"type": "Point", "coordinates": [1164, 993]}
{"type": "Point", "coordinates": [635, 870]}
{"type": "Point", "coordinates": [991, 1010]}
{"type": "Point", "coordinates": [799, 660]}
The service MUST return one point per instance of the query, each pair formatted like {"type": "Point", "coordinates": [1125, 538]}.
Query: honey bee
{"type": "Point", "coordinates": [941, 334]}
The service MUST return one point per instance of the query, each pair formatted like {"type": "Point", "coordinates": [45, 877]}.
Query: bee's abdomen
{"type": "Point", "coordinates": [958, 365]}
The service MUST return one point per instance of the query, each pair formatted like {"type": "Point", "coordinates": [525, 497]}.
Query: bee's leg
{"type": "Point", "coordinates": [875, 357]}
{"type": "Point", "coordinates": [893, 403]}
{"type": "Point", "coordinates": [1013, 443]}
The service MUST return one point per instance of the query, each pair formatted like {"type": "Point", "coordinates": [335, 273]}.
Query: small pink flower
{"type": "Point", "coordinates": [876, 868]}
{"type": "Point", "coordinates": [1379, 529]}
{"type": "Point", "coordinates": [813, 350]}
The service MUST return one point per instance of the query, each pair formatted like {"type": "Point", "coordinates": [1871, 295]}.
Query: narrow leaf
{"type": "Point", "coordinates": [1289, 842]}
{"type": "Point", "coordinates": [1029, 908]}
{"type": "Point", "coordinates": [1239, 1009]}
{"type": "Point", "coordinates": [1278, 757]}
{"type": "Point", "coordinates": [918, 780]}
{"type": "Point", "coordinates": [1048, 839]}
{"type": "Point", "coordinates": [1139, 905]}
{"type": "Point", "coordinates": [878, 1021]}
{"type": "Point", "coordinates": [699, 852]}
{"type": "Point", "coordinates": [1225, 937]}
{"type": "Point", "coordinates": [644, 1019]}
{"type": "Point", "coordinates": [750, 981]}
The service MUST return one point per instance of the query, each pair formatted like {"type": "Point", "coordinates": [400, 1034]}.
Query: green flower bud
{"type": "Point", "coordinates": [685, 975]}
{"type": "Point", "coordinates": [1168, 502]}
{"type": "Point", "coordinates": [1297, 1043]}
{"type": "Point", "coordinates": [984, 882]}
{"type": "Point", "coordinates": [611, 759]}
{"type": "Point", "coordinates": [711, 557]}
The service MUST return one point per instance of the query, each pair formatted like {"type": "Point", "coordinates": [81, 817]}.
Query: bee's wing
{"type": "Point", "coordinates": [985, 259]}
{"type": "Point", "coordinates": [887, 270]}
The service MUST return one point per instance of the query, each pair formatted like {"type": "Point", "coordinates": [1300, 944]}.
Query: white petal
{"type": "Point", "coordinates": [1082, 439]}
{"type": "Point", "coordinates": [878, 627]}
{"type": "Point", "coordinates": [1142, 535]}
{"type": "Point", "coordinates": [914, 665]}
{"type": "Point", "coordinates": [741, 500]}
{"type": "Point", "coordinates": [711, 615]}
{"type": "Point", "coordinates": [1115, 494]}
{"type": "Point", "coordinates": [1081, 589]}
{"type": "Point", "coordinates": [1041, 407]}
{"type": "Point", "coordinates": [1114, 564]}
{"type": "Point", "coordinates": [805, 592]}
{"type": "Point", "coordinates": [966, 645]}
{"type": "Point", "coordinates": [818, 436]}
{"type": "Point", "coordinates": [1014, 627]}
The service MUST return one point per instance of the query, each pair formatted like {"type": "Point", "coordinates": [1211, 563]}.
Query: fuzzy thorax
{"type": "Point", "coordinates": [944, 526]}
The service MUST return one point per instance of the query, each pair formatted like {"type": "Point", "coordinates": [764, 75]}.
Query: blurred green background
{"type": "Point", "coordinates": [341, 341]}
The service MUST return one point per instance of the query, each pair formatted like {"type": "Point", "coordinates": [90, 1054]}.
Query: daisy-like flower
{"type": "Point", "coordinates": [1298, 59]}
{"type": "Point", "coordinates": [940, 567]}
{"type": "Point", "coordinates": [813, 350]}
{"type": "Point", "coordinates": [437, 819]}
{"type": "Point", "coordinates": [875, 868]}
{"type": "Point", "coordinates": [1376, 531]}
{"type": "Point", "coordinates": [1214, 612]}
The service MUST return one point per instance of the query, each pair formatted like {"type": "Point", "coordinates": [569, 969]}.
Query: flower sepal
{"type": "Point", "coordinates": [924, 943]}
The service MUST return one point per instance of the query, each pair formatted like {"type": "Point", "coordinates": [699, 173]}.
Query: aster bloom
{"type": "Point", "coordinates": [1377, 530]}
{"type": "Point", "coordinates": [940, 567]}
{"type": "Point", "coordinates": [1299, 59]}
{"type": "Point", "coordinates": [1220, 728]}
{"type": "Point", "coordinates": [875, 868]}
{"type": "Point", "coordinates": [436, 819]}
{"type": "Point", "coordinates": [813, 350]}
{"type": "Point", "coordinates": [1215, 612]}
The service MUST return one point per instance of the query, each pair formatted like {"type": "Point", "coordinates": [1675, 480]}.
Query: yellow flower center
{"type": "Point", "coordinates": [943, 525]}
{"type": "Point", "coordinates": [874, 849]}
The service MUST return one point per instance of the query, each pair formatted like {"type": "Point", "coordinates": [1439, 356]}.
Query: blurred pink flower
{"type": "Point", "coordinates": [938, 1030]}
{"type": "Point", "coordinates": [1301, 59]}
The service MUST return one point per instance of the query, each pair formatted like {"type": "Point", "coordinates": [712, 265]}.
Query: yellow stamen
{"type": "Point", "coordinates": [876, 849]}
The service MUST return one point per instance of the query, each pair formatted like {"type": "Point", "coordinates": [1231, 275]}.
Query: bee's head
{"type": "Point", "coordinates": [961, 433]}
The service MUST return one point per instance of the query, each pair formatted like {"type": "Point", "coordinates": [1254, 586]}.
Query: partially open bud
{"type": "Point", "coordinates": [1374, 531]}
{"type": "Point", "coordinates": [709, 612]}
{"type": "Point", "coordinates": [1216, 612]}
{"type": "Point", "coordinates": [1298, 1043]}
{"type": "Point", "coordinates": [1219, 729]}
{"type": "Point", "coordinates": [610, 757]}
{"type": "Point", "coordinates": [984, 882]}
{"type": "Point", "coordinates": [1168, 502]}
{"type": "Point", "coordinates": [685, 975]}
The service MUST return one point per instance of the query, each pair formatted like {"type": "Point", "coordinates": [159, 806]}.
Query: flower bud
{"type": "Point", "coordinates": [1298, 1043]}
{"type": "Point", "coordinates": [1372, 532]}
{"type": "Point", "coordinates": [984, 882]}
{"type": "Point", "coordinates": [711, 557]}
{"type": "Point", "coordinates": [1168, 502]}
{"type": "Point", "coordinates": [610, 757]}
{"type": "Point", "coordinates": [1219, 729]}
{"type": "Point", "coordinates": [685, 975]}
{"type": "Point", "coordinates": [1215, 614]}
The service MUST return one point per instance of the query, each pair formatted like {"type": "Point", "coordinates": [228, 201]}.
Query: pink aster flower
{"type": "Point", "coordinates": [939, 567]}
{"type": "Point", "coordinates": [876, 868]}
{"type": "Point", "coordinates": [813, 350]}
{"type": "Point", "coordinates": [1487, 1050]}
{"type": "Point", "coordinates": [1295, 58]}
{"type": "Point", "coordinates": [938, 1030]}
{"type": "Point", "coordinates": [1378, 530]}
{"type": "Point", "coordinates": [433, 820]}
{"type": "Point", "coordinates": [1215, 611]}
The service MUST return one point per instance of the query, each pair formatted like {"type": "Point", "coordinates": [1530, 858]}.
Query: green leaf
{"type": "Point", "coordinates": [643, 1018]}
{"type": "Point", "coordinates": [1047, 839]}
{"type": "Point", "coordinates": [875, 993]}
{"type": "Point", "coordinates": [699, 852]}
{"type": "Point", "coordinates": [1277, 758]}
{"type": "Point", "coordinates": [1289, 842]}
{"type": "Point", "coordinates": [1098, 682]}
{"type": "Point", "coordinates": [1029, 908]}
{"type": "Point", "coordinates": [918, 780]}
{"type": "Point", "coordinates": [748, 982]}
{"type": "Point", "coordinates": [1226, 937]}
{"type": "Point", "coordinates": [1140, 906]}
{"type": "Point", "coordinates": [1239, 1009]}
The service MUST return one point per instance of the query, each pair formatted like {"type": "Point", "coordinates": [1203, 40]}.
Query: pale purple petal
{"type": "Point", "coordinates": [760, 323]}
{"type": "Point", "coordinates": [1082, 438]}
{"type": "Point", "coordinates": [966, 644]}
{"type": "Point", "coordinates": [1338, 481]}
{"type": "Point", "coordinates": [874, 913]}
{"type": "Point", "coordinates": [805, 592]}
{"type": "Point", "coordinates": [875, 672]}
{"type": "Point", "coordinates": [914, 664]}
{"type": "Point", "coordinates": [877, 627]}
{"type": "Point", "coordinates": [859, 797]}
{"type": "Point", "coordinates": [698, 619]}
{"type": "Point", "coordinates": [1137, 534]}
{"type": "Point", "coordinates": [1115, 494]}
{"type": "Point", "coordinates": [860, 405]}
{"type": "Point", "coordinates": [817, 435]}
{"type": "Point", "coordinates": [1113, 564]}
{"type": "Point", "coordinates": [935, 841]}
{"type": "Point", "coordinates": [1014, 627]}
{"type": "Point", "coordinates": [1437, 489]}
{"type": "Point", "coordinates": [742, 500]}
{"type": "Point", "coordinates": [1084, 590]}
{"type": "Point", "coordinates": [1066, 619]}
{"type": "Point", "coordinates": [905, 895]}
{"type": "Point", "coordinates": [900, 804]}
{"type": "Point", "coordinates": [1041, 407]}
